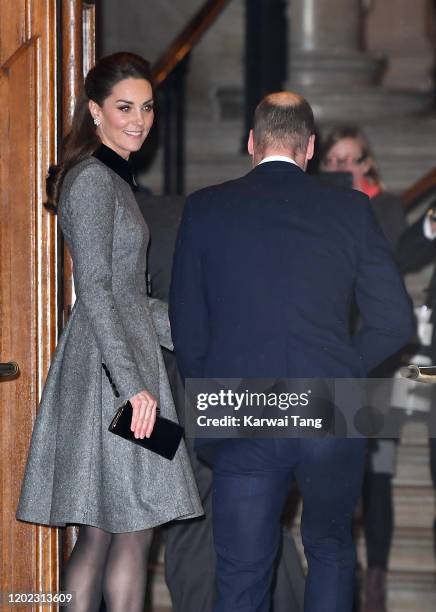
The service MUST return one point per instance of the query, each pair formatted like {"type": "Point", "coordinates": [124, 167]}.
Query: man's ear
{"type": "Point", "coordinates": [250, 145]}
{"type": "Point", "coordinates": [310, 147]}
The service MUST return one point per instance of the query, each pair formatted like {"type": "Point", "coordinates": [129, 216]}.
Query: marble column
{"type": "Point", "coordinates": [325, 24]}
{"type": "Point", "coordinates": [329, 66]}
{"type": "Point", "coordinates": [325, 47]}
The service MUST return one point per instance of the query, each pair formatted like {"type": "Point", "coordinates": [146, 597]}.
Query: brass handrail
{"type": "Point", "coordinates": [420, 189]}
{"type": "Point", "coordinates": [187, 39]}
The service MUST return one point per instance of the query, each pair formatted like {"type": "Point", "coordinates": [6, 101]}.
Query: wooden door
{"type": "Point", "coordinates": [27, 270]}
{"type": "Point", "coordinates": [29, 94]}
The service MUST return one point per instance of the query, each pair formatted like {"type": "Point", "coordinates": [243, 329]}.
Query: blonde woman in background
{"type": "Point", "coordinates": [346, 149]}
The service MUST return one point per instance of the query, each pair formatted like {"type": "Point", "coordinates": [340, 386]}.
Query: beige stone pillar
{"type": "Point", "coordinates": [325, 47]}
{"type": "Point", "coordinates": [325, 25]}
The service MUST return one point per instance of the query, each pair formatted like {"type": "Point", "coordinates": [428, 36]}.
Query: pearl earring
{"type": "Point", "coordinates": [97, 121]}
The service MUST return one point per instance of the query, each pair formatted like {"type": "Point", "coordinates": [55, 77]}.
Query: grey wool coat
{"type": "Point", "coordinates": [77, 471]}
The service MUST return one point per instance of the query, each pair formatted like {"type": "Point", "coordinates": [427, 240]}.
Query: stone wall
{"type": "Point", "coordinates": [402, 30]}
{"type": "Point", "coordinates": [217, 62]}
{"type": "Point", "coordinates": [147, 27]}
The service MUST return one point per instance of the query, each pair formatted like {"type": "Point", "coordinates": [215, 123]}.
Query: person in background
{"type": "Point", "coordinates": [416, 249]}
{"type": "Point", "coordinates": [190, 562]}
{"type": "Point", "coordinates": [77, 471]}
{"type": "Point", "coordinates": [346, 149]}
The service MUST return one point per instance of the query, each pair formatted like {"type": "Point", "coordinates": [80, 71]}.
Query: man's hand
{"type": "Point", "coordinates": [144, 414]}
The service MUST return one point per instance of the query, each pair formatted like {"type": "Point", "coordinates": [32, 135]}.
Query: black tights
{"type": "Point", "coordinates": [109, 565]}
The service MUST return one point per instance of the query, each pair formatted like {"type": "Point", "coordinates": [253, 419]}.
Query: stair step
{"type": "Point", "coordinates": [375, 104]}
{"type": "Point", "coordinates": [403, 139]}
{"type": "Point", "coordinates": [414, 432]}
{"type": "Point", "coordinates": [413, 466]}
{"type": "Point", "coordinates": [411, 592]}
{"type": "Point", "coordinates": [411, 548]}
{"type": "Point", "coordinates": [204, 133]}
{"type": "Point", "coordinates": [414, 506]}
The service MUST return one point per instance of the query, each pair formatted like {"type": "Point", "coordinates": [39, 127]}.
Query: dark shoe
{"type": "Point", "coordinates": [375, 591]}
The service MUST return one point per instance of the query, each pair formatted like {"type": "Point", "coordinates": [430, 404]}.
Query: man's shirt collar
{"type": "Point", "coordinates": [280, 158]}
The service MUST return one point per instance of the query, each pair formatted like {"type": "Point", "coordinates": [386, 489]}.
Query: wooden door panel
{"type": "Point", "coordinates": [18, 91]}
{"type": "Point", "coordinates": [29, 553]}
{"type": "Point", "coordinates": [14, 26]}
{"type": "Point", "coordinates": [29, 126]}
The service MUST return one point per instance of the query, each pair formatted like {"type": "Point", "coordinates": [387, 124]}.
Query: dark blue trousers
{"type": "Point", "coordinates": [251, 481]}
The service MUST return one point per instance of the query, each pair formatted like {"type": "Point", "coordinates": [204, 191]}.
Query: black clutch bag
{"type": "Point", "coordinates": [165, 437]}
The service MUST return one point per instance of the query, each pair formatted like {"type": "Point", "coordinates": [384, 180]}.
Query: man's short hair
{"type": "Point", "coordinates": [281, 125]}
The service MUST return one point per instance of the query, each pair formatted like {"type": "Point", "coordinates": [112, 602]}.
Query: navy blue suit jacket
{"type": "Point", "coordinates": [265, 270]}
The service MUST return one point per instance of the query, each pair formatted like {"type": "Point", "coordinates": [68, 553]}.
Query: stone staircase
{"type": "Point", "coordinates": [412, 568]}
{"type": "Point", "coordinates": [405, 150]}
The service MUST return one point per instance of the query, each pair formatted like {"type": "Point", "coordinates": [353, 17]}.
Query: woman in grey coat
{"type": "Point", "coordinates": [77, 471]}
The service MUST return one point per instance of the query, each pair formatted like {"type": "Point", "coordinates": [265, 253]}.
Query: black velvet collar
{"type": "Point", "coordinates": [118, 164]}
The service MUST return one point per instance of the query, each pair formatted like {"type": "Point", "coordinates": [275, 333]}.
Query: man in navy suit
{"type": "Point", "coordinates": [265, 270]}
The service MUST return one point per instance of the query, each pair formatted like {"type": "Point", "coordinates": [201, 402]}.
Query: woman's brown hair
{"type": "Point", "coordinates": [82, 141]}
{"type": "Point", "coordinates": [355, 133]}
